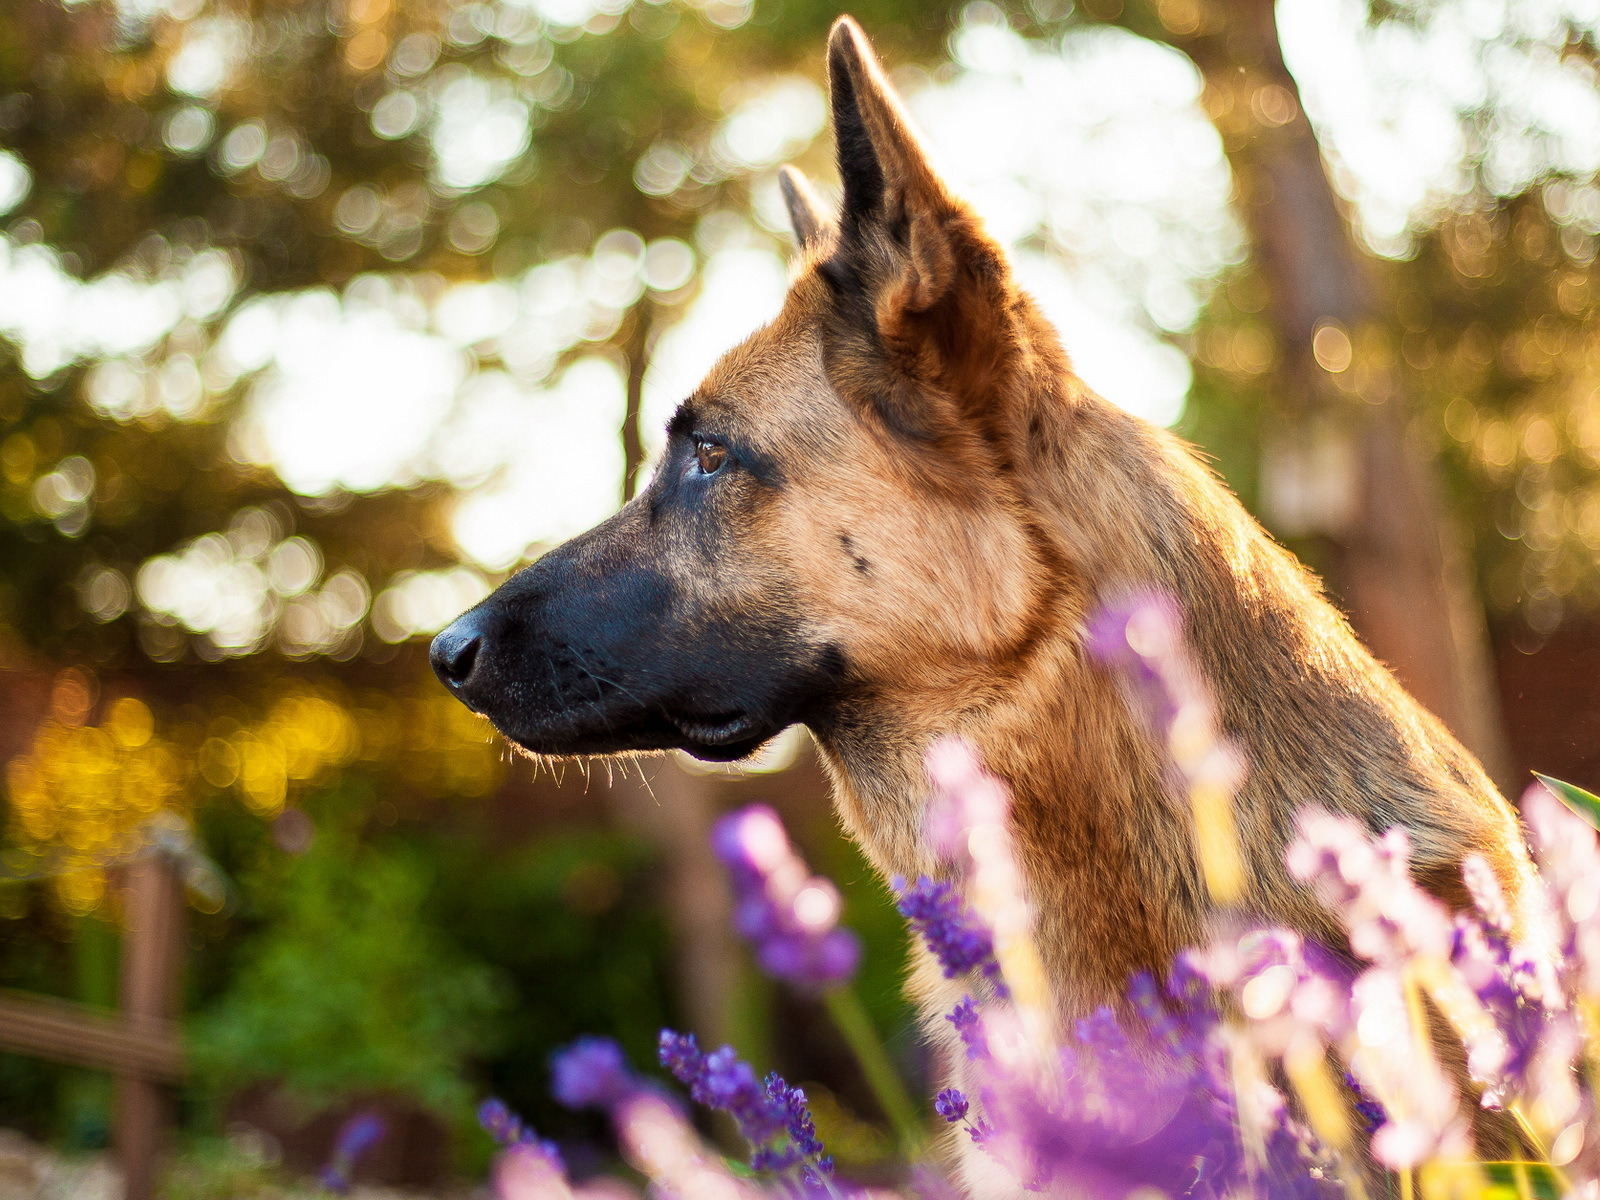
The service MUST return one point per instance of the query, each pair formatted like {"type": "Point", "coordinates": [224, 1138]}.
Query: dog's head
{"type": "Point", "coordinates": [834, 533]}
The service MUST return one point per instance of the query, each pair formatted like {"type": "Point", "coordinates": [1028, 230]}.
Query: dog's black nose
{"type": "Point", "coordinates": [456, 651]}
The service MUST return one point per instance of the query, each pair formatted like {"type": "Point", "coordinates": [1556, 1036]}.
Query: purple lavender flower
{"type": "Point", "coordinates": [1392, 923]}
{"type": "Point", "coordinates": [1288, 988]}
{"type": "Point", "coordinates": [360, 1133]}
{"type": "Point", "coordinates": [531, 1171]}
{"type": "Point", "coordinates": [1431, 1123]}
{"type": "Point", "coordinates": [929, 1183]}
{"type": "Point", "coordinates": [721, 1080]}
{"type": "Point", "coordinates": [1372, 1113]}
{"type": "Point", "coordinates": [770, 1115]}
{"type": "Point", "coordinates": [1514, 982]}
{"type": "Point", "coordinates": [356, 1136]}
{"type": "Point", "coordinates": [788, 915]}
{"type": "Point", "coordinates": [1368, 884]}
{"type": "Point", "coordinates": [805, 1149]}
{"type": "Point", "coordinates": [951, 930]}
{"type": "Point", "coordinates": [1141, 637]}
{"type": "Point", "coordinates": [954, 1108]}
{"type": "Point", "coordinates": [802, 1129]}
{"type": "Point", "coordinates": [591, 1073]}
{"type": "Point", "coordinates": [965, 797]}
{"type": "Point", "coordinates": [951, 1104]}
{"type": "Point", "coordinates": [1498, 1057]}
{"type": "Point", "coordinates": [1159, 1023]}
{"type": "Point", "coordinates": [1115, 1118]}
{"type": "Point", "coordinates": [508, 1130]}
{"type": "Point", "coordinates": [658, 1141]}
{"type": "Point", "coordinates": [980, 1131]}
{"type": "Point", "coordinates": [1123, 1113]}
{"type": "Point", "coordinates": [499, 1122]}
{"type": "Point", "coordinates": [969, 1027]}
{"type": "Point", "coordinates": [1569, 861]}
{"type": "Point", "coordinates": [680, 1054]}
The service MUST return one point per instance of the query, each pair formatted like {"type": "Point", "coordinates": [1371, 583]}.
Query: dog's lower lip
{"type": "Point", "coordinates": [716, 730]}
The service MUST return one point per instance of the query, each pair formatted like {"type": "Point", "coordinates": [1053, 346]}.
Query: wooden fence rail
{"type": "Point", "coordinates": [140, 1045]}
{"type": "Point", "coordinates": [81, 1036]}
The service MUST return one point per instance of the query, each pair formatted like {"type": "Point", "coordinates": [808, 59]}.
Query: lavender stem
{"type": "Point", "coordinates": [844, 1006]}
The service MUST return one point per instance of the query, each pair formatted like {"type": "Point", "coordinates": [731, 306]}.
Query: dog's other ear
{"type": "Point", "coordinates": [811, 223]}
{"type": "Point", "coordinates": [913, 269]}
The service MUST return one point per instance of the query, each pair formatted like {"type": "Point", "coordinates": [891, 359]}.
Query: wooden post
{"type": "Point", "coordinates": [674, 811]}
{"type": "Point", "coordinates": [153, 910]}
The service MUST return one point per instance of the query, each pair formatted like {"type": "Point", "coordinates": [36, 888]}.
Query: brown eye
{"type": "Point", "coordinates": [710, 455]}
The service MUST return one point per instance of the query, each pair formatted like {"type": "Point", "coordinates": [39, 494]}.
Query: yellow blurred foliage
{"type": "Point", "coordinates": [82, 794]}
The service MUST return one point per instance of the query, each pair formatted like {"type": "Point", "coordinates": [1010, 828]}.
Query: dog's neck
{"type": "Point", "coordinates": [1110, 899]}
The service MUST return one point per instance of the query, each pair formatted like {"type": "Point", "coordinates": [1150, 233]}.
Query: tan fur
{"type": "Point", "coordinates": [956, 501]}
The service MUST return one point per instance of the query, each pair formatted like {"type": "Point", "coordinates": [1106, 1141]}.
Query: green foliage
{"type": "Point", "coordinates": [1521, 1181]}
{"type": "Point", "coordinates": [1585, 804]}
{"type": "Point", "coordinates": [43, 951]}
{"type": "Point", "coordinates": [1495, 319]}
{"type": "Point", "coordinates": [869, 910]}
{"type": "Point", "coordinates": [87, 102]}
{"type": "Point", "coordinates": [572, 925]}
{"type": "Point", "coordinates": [348, 987]}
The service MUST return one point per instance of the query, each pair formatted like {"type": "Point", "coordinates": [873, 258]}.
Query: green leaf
{"type": "Point", "coordinates": [1585, 804]}
{"type": "Point", "coordinates": [1541, 1181]}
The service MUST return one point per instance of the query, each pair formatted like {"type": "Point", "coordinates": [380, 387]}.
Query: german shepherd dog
{"type": "Point", "coordinates": [887, 515]}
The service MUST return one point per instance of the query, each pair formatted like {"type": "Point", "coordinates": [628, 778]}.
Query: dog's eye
{"type": "Point", "coordinates": [710, 455]}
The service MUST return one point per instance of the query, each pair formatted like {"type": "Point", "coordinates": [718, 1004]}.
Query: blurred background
{"type": "Point", "coordinates": [320, 317]}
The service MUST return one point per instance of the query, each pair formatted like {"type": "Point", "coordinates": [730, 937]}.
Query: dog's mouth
{"type": "Point", "coordinates": [714, 737]}
{"type": "Point", "coordinates": [716, 729]}
{"type": "Point", "coordinates": [724, 737]}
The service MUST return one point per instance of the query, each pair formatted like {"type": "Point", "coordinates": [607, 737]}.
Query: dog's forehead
{"type": "Point", "coordinates": [771, 383]}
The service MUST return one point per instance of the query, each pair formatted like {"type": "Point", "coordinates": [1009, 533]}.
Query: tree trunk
{"type": "Point", "coordinates": [636, 345]}
{"type": "Point", "coordinates": [1350, 465]}
{"type": "Point", "coordinates": [674, 811]}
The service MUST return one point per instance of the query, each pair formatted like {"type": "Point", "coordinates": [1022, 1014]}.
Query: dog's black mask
{"type": "Point", "coordinates": [622, 640]}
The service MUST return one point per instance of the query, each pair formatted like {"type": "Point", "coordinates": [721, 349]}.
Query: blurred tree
{"type": "Point", "coordinates": [185, 178]}
{"type": "Point", "coordinates": [1499, 315]}
{"type": "Point", "coordinates": [187, 181]}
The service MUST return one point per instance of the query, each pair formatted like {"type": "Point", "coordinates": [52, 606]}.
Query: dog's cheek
{"type": "Point", "coordinates": [903, 578]}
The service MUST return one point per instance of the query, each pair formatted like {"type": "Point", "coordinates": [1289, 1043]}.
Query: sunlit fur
{"type": "Point", "coordinates": [956, 501]}
{"type": "Point", "coordinates": [935, 504]}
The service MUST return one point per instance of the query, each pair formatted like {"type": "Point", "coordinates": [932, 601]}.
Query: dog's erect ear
{"type": "Point", "coordinates": [883, 168]}
{"type": "Point", "coordinates": [911, 261]}
{"type": "Point", "coordinates": [811, 224]}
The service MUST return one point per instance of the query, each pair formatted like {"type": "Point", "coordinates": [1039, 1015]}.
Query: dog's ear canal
{"type": "Point", "coordinates": [911, 261]}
